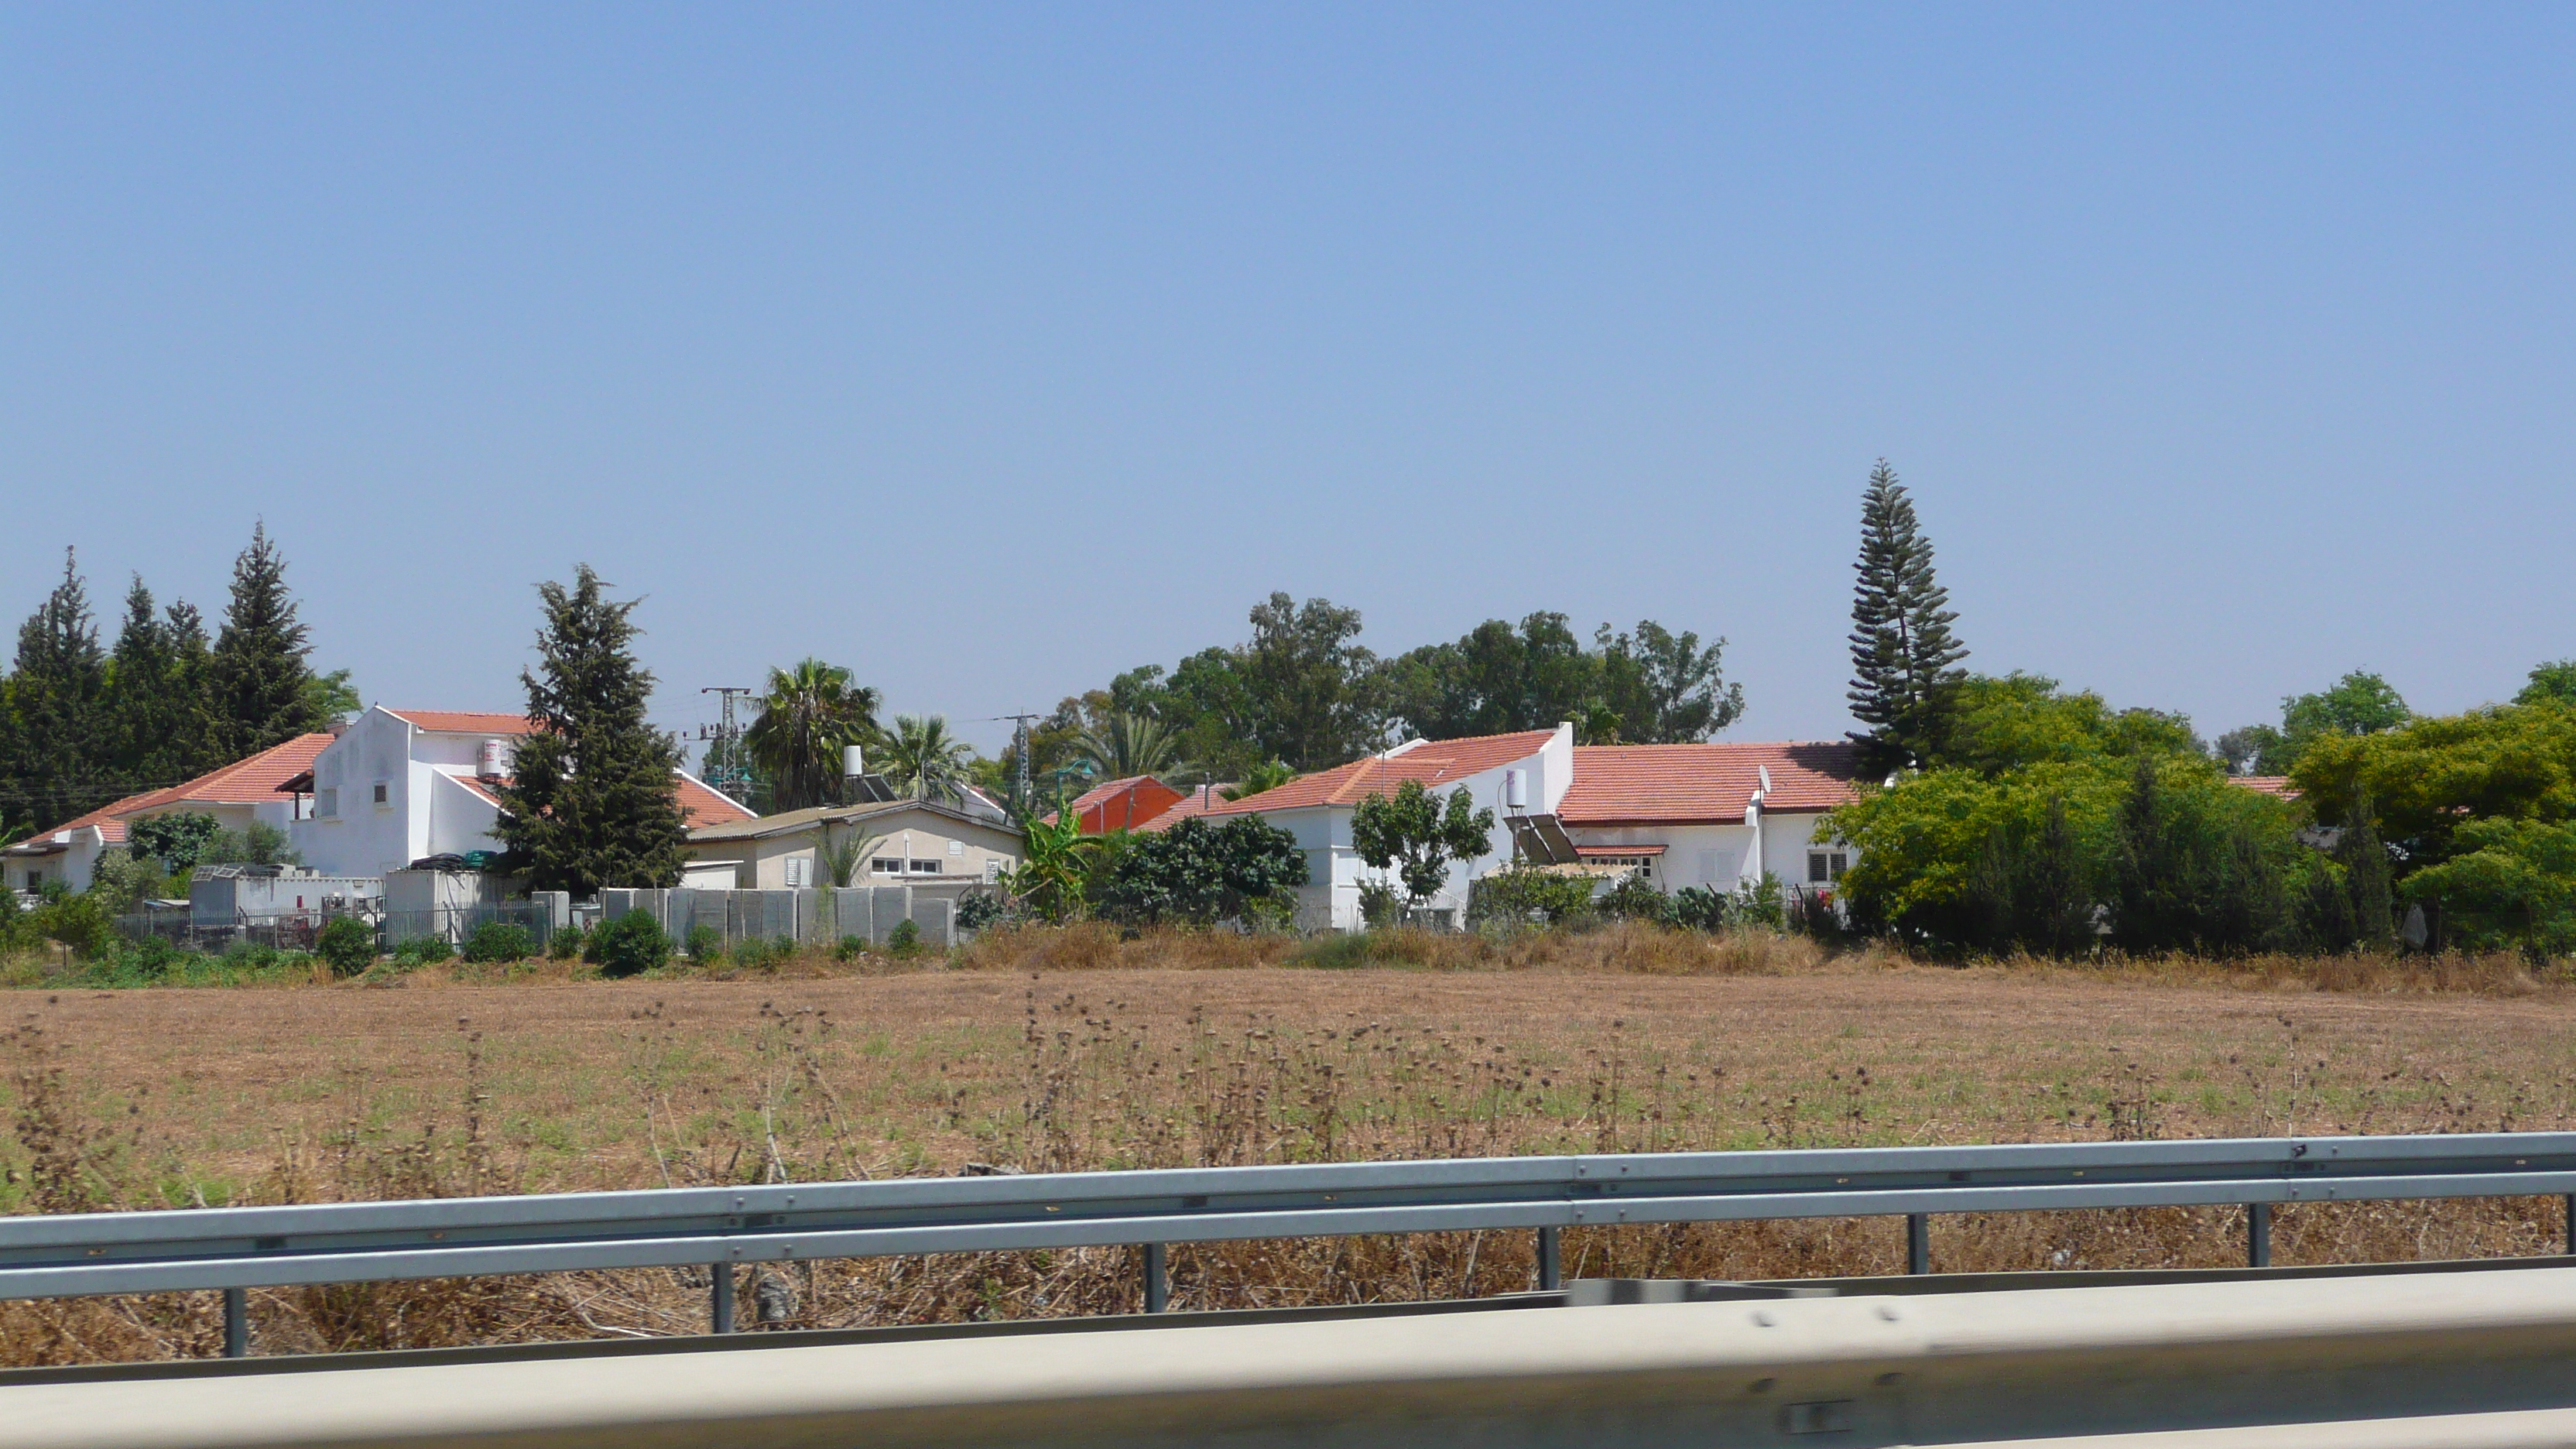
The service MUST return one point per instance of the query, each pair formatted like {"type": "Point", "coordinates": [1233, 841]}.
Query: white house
{"type": "Point", "coordinates": [909, 842]}
{"type": "Point", "coordinates": [400, 785]}
{"type": "Point", "coordinates": [1680, 815]}
{"type": "Point", "coordinates": [245, 792]}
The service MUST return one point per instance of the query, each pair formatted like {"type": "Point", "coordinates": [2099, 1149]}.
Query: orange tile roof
{"type": "Point", "coordinates": [1202, 801]}
{"type": "Point", "coordinates": [1709, 783]}
{"type": "Point", "coordinates": [2267, 785]}
{"type": "Point", "coordinates": [1433, 762]}
{"type": "Point", "coordinates": [465, 722]}
{"type": "Point", "coordinates": [243, 782]}
{"type": "Point", "coordinates": [702, 805]}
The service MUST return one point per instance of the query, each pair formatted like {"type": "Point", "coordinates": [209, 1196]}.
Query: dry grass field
{"type": "Point", "coordinates": [1061, 1050]}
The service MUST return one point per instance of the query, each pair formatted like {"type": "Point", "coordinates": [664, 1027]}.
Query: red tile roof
{"type": "Point", "coordinates": [2268, 785]}
{"type": "Point", "coordinates": [465, 722]}
{"type": "Point", "coordinates": [1198, 802]}
{"type": "Point", "coordinates": [243, 782]}
{"type": "Point", "coordinates": [1433, 762]}
{"type": "Point", "coordinates": [1710, 783]}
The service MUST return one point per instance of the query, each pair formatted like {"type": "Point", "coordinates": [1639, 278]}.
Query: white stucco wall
{"type": "Point", "coordinates": [426, 811]}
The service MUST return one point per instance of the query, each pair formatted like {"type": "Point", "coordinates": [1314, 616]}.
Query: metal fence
{"type": "Point", "coordinates": [299, 930]}
{"type": "Point", "coordinates": [237, 1248]}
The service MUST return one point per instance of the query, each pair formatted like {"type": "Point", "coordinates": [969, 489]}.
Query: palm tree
{"type": "Point", "coordinates": [1120, 746]}
{"type": "Point", "coordinates": [809, 713]}
{"type": "Point", "coordinates": [923, 760]}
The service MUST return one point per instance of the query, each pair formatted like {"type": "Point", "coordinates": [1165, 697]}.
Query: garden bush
{"type": "Point", "coordinates": [706, 943]}
{"type": "Point", "coordinates": [347, 944]}
{"type": "Point", "coordinates": [850, 949]}
{"type": "Point", "coordinates": [422, 951]}
{"type": "Point", "coordinates": [631, 945]}
{"type": "Point", "coordinates": [571, 943]}
{"type": "Point", "coordinates": [904, 939]}
{"type": "Point", "coordinates": [497, 941]}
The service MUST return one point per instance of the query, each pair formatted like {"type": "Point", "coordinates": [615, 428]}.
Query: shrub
{"type": "Point", "coordinates": [347, 944]}
{"type": "Point", "coordinates": [1635, 898]}
{"type": "Point", "coordinates": [422, 950]}
{"type": "Point", "coordinates": [851, 948]}
{"type": "Point", "coordinates": [904, 939]}
{"type": "Point", "coordinates": [1381, 905]}
{"type": "Point", "coordinates": [497, 941]}
{"type": "Point", "coordinates": [1699, 908]}
{"type": "Point", "coordinates": [153, 956]}
{"type": "Point", "coordinates": [751, 952]}
{"type": "Point", "coordinates": [631, 945]}
{"type": "Point", "coordinates": [1520, 893]}
{"type": "Point", "coordinates": [706, 943]}
{"type": "Point", "coordinates": [569, 944]}
{"type": "Point", "coordinates": [979, 909]}
{"type": "Point", "coordinates": [80, 922]}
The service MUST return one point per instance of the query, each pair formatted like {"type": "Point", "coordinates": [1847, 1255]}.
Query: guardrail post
{"type": "Point", "coordinates": [2258, 1235]}
{"type": "Point", "coordinates": [1158, 1278]}
{"type": "Point", "coordinates": [2571, 1224]}
{"type": "Point", "coordinates": [236, 1323]}
{"type": "Point", "coordinates": [1918, 1243]}
{"type": "Point", "coordinates": [720, 1300]}
{"type": "Point", "coordinates": [1551, 1274]}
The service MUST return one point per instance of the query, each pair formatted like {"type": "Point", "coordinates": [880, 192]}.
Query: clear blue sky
{"type": "Point", "coordinates": [992, 351]}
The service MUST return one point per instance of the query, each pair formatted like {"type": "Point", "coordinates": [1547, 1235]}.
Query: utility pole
{"type": "Point", "coordinates": [725, 768]}
{"type": "Point", "coordinates": [1020, 780]}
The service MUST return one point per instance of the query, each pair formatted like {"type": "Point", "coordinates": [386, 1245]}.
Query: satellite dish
{"type": "Point", "coordinates": [1765, 772]}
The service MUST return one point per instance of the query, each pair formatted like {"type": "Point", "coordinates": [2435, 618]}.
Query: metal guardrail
{"type": "Point", "coordinates": [238, 1248]}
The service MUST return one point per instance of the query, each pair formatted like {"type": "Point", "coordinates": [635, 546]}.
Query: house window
{"type": "Point", "coordinates": [1643, 865]}
{"type": "Point", "coordinates": [1824, 867]}
{"type": "Point", "coordinates": [992, 871]}
{"type": "Point", "coordinates": [956, 849]}
{"type": "Point", "coordinates": [800, 872]}
{"type": "Point", "coordinates": [885, 865]}
{"type": "Point", "coordinates": [925, 867]}
{"type": "Point", "coordinates": [327, 803]}
{"type": "Point", "coordinates": [384, 793]}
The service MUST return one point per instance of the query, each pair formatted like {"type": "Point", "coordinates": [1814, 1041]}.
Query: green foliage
{"type": "Point", "coordinates": [1055, 870]}
{"type": "Point", "coordinates": [1260, 779]}
{"type": "Point", "coordinates": [56, 766]}
{"type": "Point", "coordinates": [1904, 657]}
{"type": "Point", "coordinates": [152, 957]}
{"type": "Point", "coordinates": [841, 854]}
{"type": "Point", "coordinates": [494, 942]}
{"type": "Point", "coordinates": [347, 944]}
{"type": "Point", "coordinates": [159, 718]}
{"type": "Point", "coordinates": [978, 909]}
{"type": "Point", "coordinates": [1518, 893]}
{"type": "Point", "coordinates": [1121, 745]}
{"type": "Point", "coordinates": [593, 801]}
{"type": "Point", "coordinates": [1381, 905]}
{"type": "Point", "coordinates": [1635, 898]}
{"type": "Point", "coordinates": [2359, 704]}
{"type": "Point", "coordinates": [2510, 883]}
{"type": "Point", "coordinates": [1646, 687]}
{"type": "Point", "coordinates": [2161, 852]}
{"type": "Point", "coordinates": [332, 697]}
{"type": "Point", "coordinates": [2425, 778]}
{"type": "Point", "coordinates": [705, 943]}
{"type": "Point", "coordinates": [422, 951]}
{"type": "Point", "coordinates": [123, 882]}
{"type": "Point", "coordinates": [923, 760]}
{"type": "Point", "coordinates": [82, 922]}
{"type": "Point", "coordinates": [177, 841]}
{"type": "Point", "coordinates": [752, 953]}
{"type": "Point", "coordinates": [260, 844]}
{"type": "Point", "coordinates": [570, 943]}
{"type": "Point", "coordinates": [261, 687]}
{"type": "Point", "coordinates": [1194, 872]}
{"type": "Point", "coordinates": [806, 716]}
{"type": "Point", "coordinates": [1410, 833]}
{"type": "Point", "coordinates": [2551, 683]}
{"type": "Point", "coordinates": [850, 948]}
{"type": "Point", "coordinates": [904, 939]}
{"type": "Point", "coordinates": [1998, 724]}
{"type": "Point", "coordinates": [631, 945]}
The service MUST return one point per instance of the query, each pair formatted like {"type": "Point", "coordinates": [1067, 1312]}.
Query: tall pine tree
{"type": "Point", "coordinates": [156, 694]}
{"type": "Point", "coordinates": [592, 801]}
{"type": "Point", "coordinates": [1904, 658]}
{"type": "Point", "coordinates": [262, 691]}
{"type": "Point", "coordinates": [61, 752]}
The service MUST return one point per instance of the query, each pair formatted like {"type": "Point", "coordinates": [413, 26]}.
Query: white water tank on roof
{"type": "Point", "coordinates": [494, 760]}
{"type": "Point", "coordinates": [1516, 791]}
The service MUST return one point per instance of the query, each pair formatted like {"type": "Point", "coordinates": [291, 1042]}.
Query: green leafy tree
{"type": "Point", "coordinates": [2551, 683]}
{"type": "Point", "coordinates": [923, 760]}
{"type": "Point", "coordinates": [332, 697]}
{"type": "Point", "coordinates": [260, 843]}
{"type": "Point", "coordinates": [2509, 884]}
{"type": "Point", "coordinates": [1662, 688]}
{"type": "Point", "coordinates": [1497, 680]}
{"type": "Point", "coordinates": [347, 945]}
{"type": "Point", "coordinates": [592, 801]}
{"type": "Point", "coordinates": [1999, 724]}
{"type": "Point", "coordinates": [2425, 778]}
{"type": "Point", "coordinates": [806, 716]}
{"type": "Point", "coordinates": [2359, 704]}
{"type": "Point", "coordinates": [631, 945]}
{"type": "Point", "coordinates": [1246, 868]}
{"type": "Point", "coordinates": [1266, 776]}
{"type": "Point", "coordinates": [261, 687]}
{"type": "Point", "coordinates": [1308, 678]}
{"type": "Point", "coordinates": [1904, 657]}
{"type": "Point", "coordinates": [1054, 874]}
{"type": "Point", "coordinates": [178, 841]}
{"type": "Point", "coordinates": [62, 763]}
{"type": "Point", "coordinates": [2366, 876]}
{"type": "Point", "coordinates": [1412, 833]}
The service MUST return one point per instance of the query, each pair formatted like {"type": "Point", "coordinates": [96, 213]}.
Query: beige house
{"type": "Point", "coordinates": [905, 842]}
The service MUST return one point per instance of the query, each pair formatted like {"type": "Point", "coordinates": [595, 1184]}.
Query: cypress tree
{"type": "Point", "coordinates": [155, 703]}
{"type": "Point", "coordinates": [2365, 863]}
{"type": "Point", "coordinates": [1904, 658]}
{"type": "Point", "coordinates": [592, 800]}
{"type": "Point", "coordinates": [61, 757]}
{"type": "Point", "coordinates": [261, 691]}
